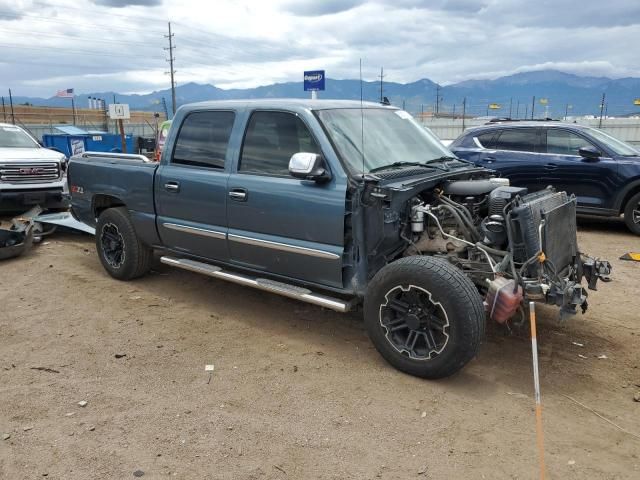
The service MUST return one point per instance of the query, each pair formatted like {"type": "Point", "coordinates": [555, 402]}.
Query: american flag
{"type": "Point", "coordinates": [68, 93]}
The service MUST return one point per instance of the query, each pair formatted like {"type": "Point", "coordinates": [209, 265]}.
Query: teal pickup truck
{"type": "Point", "coordinates": [344, 205]}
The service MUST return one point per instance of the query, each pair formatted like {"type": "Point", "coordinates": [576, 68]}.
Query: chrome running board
{"type": "Point", "coordinates": [284, 289]}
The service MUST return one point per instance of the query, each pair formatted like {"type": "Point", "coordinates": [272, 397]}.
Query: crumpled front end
{"type": "Point", "coordinates": [543, 241]}
{"type": "Point", "coordinates": [515, 246]}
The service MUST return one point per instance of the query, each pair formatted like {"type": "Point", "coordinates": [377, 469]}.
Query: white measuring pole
{"type": "Point", "coordinates": [314, 94]}
{"type": "Point", "coordinates": [536, 385]}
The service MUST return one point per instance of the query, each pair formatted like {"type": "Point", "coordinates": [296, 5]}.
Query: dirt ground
{"type": "Point", "coordinates": [298, 392]}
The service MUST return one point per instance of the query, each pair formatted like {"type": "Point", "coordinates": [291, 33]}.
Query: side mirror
{"type": "Point", "coordinates": [589, 153]}
{"type": "Point", "coordinates": [308, 166]}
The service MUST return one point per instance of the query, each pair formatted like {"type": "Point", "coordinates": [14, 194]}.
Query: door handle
{"type": "Point", "coordinates": [172, 186]}
{"type": "Point", "coordinates": [238, 194]}
{"type": "Point", "coordinates": [489, 159]}
{"type": "Point", "coordinates": [550, 166]}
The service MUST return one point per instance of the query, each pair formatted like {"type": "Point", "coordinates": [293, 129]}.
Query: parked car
{"type": "Point", "coordinates": [294, 197]}
{"type": "Point", "coordinates": [29, 173]}
{"type": "Point", "coordinates": [602, 171]}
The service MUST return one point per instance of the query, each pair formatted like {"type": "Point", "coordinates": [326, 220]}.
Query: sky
{"type": "Point", "coordinates": [118, 45]}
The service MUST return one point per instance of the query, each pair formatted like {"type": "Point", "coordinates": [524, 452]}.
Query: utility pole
{"type": "Point", "coordinates": [403, 105]}
{"type": "Point", "coordinates": [533, 106]}
{"type": "Point", "coordinates": [453, 113]}
{"type": "Point", "coordinates": [381, 77]}
{"type": "Point", "coordinates": [73, 110]}
{"type": "Point", "coordinates": [13, 116]}
{"type": "Point", "coordinates": [601, 110]}
{"type": "Point", "coordinates": [422, 112]}
{"type": "Point", "coordinates": [464, 110]}
{"type": "Point", "coordinates": [518, 109]}
{"type": "Point", "coordinates": [437, 99]}
{"type": "Point", "coordinates": [510, 106]}
{"type": "Point", "coordinates": [526, 111]}
{"type": "Point", "coordinates": [566, 112]}
{"type": "Point", "coordinates": [4, 111]}
{"type": "Point", "coordinates": [171, 71]}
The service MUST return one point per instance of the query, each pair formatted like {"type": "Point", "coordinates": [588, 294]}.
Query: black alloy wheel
{"type": "Point", "coordinates": [112, 244]}
{"type": "Point", "coordinates": [415, 324]}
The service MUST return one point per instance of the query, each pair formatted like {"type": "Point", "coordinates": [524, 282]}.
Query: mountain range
{"type": "Point", "coordinates": [555, 93]}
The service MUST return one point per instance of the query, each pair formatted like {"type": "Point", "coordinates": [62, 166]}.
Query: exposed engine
{"type": "Point", "coordinates": [514, 245]}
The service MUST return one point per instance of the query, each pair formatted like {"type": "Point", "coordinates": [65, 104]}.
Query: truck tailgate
{"type": "Point", "coordinates": [128, 180]}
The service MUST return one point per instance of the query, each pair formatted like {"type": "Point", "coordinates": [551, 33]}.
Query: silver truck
{"type": "Point", "coordinates": [29, 173]}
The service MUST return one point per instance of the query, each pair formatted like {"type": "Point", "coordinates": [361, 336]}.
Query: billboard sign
{"type": "Point", "coordinates": [119, 111]}
{"type": "Point", "coordinates": [313, 80]}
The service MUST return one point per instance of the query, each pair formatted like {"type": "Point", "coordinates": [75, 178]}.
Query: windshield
{"type": "Point", "coordinates": [14, 137]}
{"type": "Point", "coordinates": [616, 146]}
{"type": "Point", "coordinates": [387, 136]}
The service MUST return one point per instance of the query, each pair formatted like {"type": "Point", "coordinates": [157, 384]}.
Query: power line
{"type": "Point", "coordinates": [13, 16]}
{"type": "Point", "coordinates": [171, 72]}
{"type": "Point", "coordinates": [78, 37]}
{"type": "Point", "coordinates": [75, 52]}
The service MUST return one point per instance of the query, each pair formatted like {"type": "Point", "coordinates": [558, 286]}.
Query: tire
{"type": "Point", "coordinates": [115, 233]}
{"type": "Point", "coordinates": [436, 302]}
{"type": "Point", "coordinates": [632, 214]}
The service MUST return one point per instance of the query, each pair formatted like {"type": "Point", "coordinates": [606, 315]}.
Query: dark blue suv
{"type": "Point", "coordinates": [603, 172]}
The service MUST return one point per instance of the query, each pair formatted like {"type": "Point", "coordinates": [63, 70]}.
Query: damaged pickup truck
{"type": "Point", "coordinates": [342, 205]}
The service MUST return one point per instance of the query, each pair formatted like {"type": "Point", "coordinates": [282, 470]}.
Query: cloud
{"type": "Point", "coordinates": [306, 8]}
{"type": "Point", "coordinates": [127, 3]}
{"type": "Point", "coordinates": [240, 43]}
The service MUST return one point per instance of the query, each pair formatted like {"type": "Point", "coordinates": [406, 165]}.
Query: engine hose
{"type": "Point", "coordinates": [504, 263]}
{"type": "Point", "coordinates": [465, 211]}
{"type": "Point", "coordinates": [468, 234]}
{"type": "Point", "coordinates": [466, 217]}
{"type": "Point", "coordinates": [493, 251]}
{"type": "Point", "coordinates": [470, 226]}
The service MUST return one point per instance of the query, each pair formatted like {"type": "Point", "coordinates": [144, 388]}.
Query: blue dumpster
{"type": "Point", "coordinates": [72, 140]}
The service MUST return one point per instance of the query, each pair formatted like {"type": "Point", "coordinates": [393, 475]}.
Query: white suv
{"type": "Point", "coordinates": [29, 173]}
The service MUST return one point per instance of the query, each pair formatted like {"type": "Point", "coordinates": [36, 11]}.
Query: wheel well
{"type": "Point", "coordinates": [635, 190]}
{"type": "Point", "coordinates": [102, 202]}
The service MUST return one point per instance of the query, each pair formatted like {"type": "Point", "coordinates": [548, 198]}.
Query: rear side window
{"type": "Point", "coordinates": [564, 142]}
{"type": "Point", "coordinates": [486, 139]}
{"type": "Point", "coordinates": [270, 141]}
{"type": "Point", "coordinates": [203, 139]}
{"type": "Point", "coordinates": [517, 139]}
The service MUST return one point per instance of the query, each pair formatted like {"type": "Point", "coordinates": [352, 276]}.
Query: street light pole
{"type": "Point", "coordinates": [533, 106]}
{"type": "Point", "coordinates": [464, 110]}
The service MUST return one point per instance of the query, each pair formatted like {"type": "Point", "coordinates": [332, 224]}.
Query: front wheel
{"type": "Point", "coordinates": [424, 316]}
{"type": "Point", "coordinates": [121, 252]}
{"type": "Point", "coordinates": [632, 214]}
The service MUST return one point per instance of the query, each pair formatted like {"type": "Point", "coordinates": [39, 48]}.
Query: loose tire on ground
{"type": "Point", "coordinates": [632, 214]}
{"type": "Point", "coordinates": [115, 230]}
{"type": "Point", "coordinates": [438, 303]}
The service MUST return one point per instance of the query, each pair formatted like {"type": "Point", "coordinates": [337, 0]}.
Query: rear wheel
{"type": "Point", "coordinates": [424, 316]}
{"type": "Point", "coordinates": [632, 214]}
{"type": "Point", "coordinates": [121, 253]}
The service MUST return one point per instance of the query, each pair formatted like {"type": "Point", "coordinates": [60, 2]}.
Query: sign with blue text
{"type": "Point", "coordinates": [313, 80]}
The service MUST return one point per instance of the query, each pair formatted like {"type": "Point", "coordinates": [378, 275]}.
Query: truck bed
{"type": "Point", "coordinates": [94, 176]}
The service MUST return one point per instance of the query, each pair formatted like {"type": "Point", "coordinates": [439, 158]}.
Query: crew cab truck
{"type": "Point", "coordinates": [344, 205]}
{"type": "Point", "coordinates": [29, 173]}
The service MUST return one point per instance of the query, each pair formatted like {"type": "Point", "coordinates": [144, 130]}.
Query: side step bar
{"type": "Point", "coordinates": [268, 285]}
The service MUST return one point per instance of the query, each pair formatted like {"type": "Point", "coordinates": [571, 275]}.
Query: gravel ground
{"type": "Point", "coordinates": [298, 392]}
